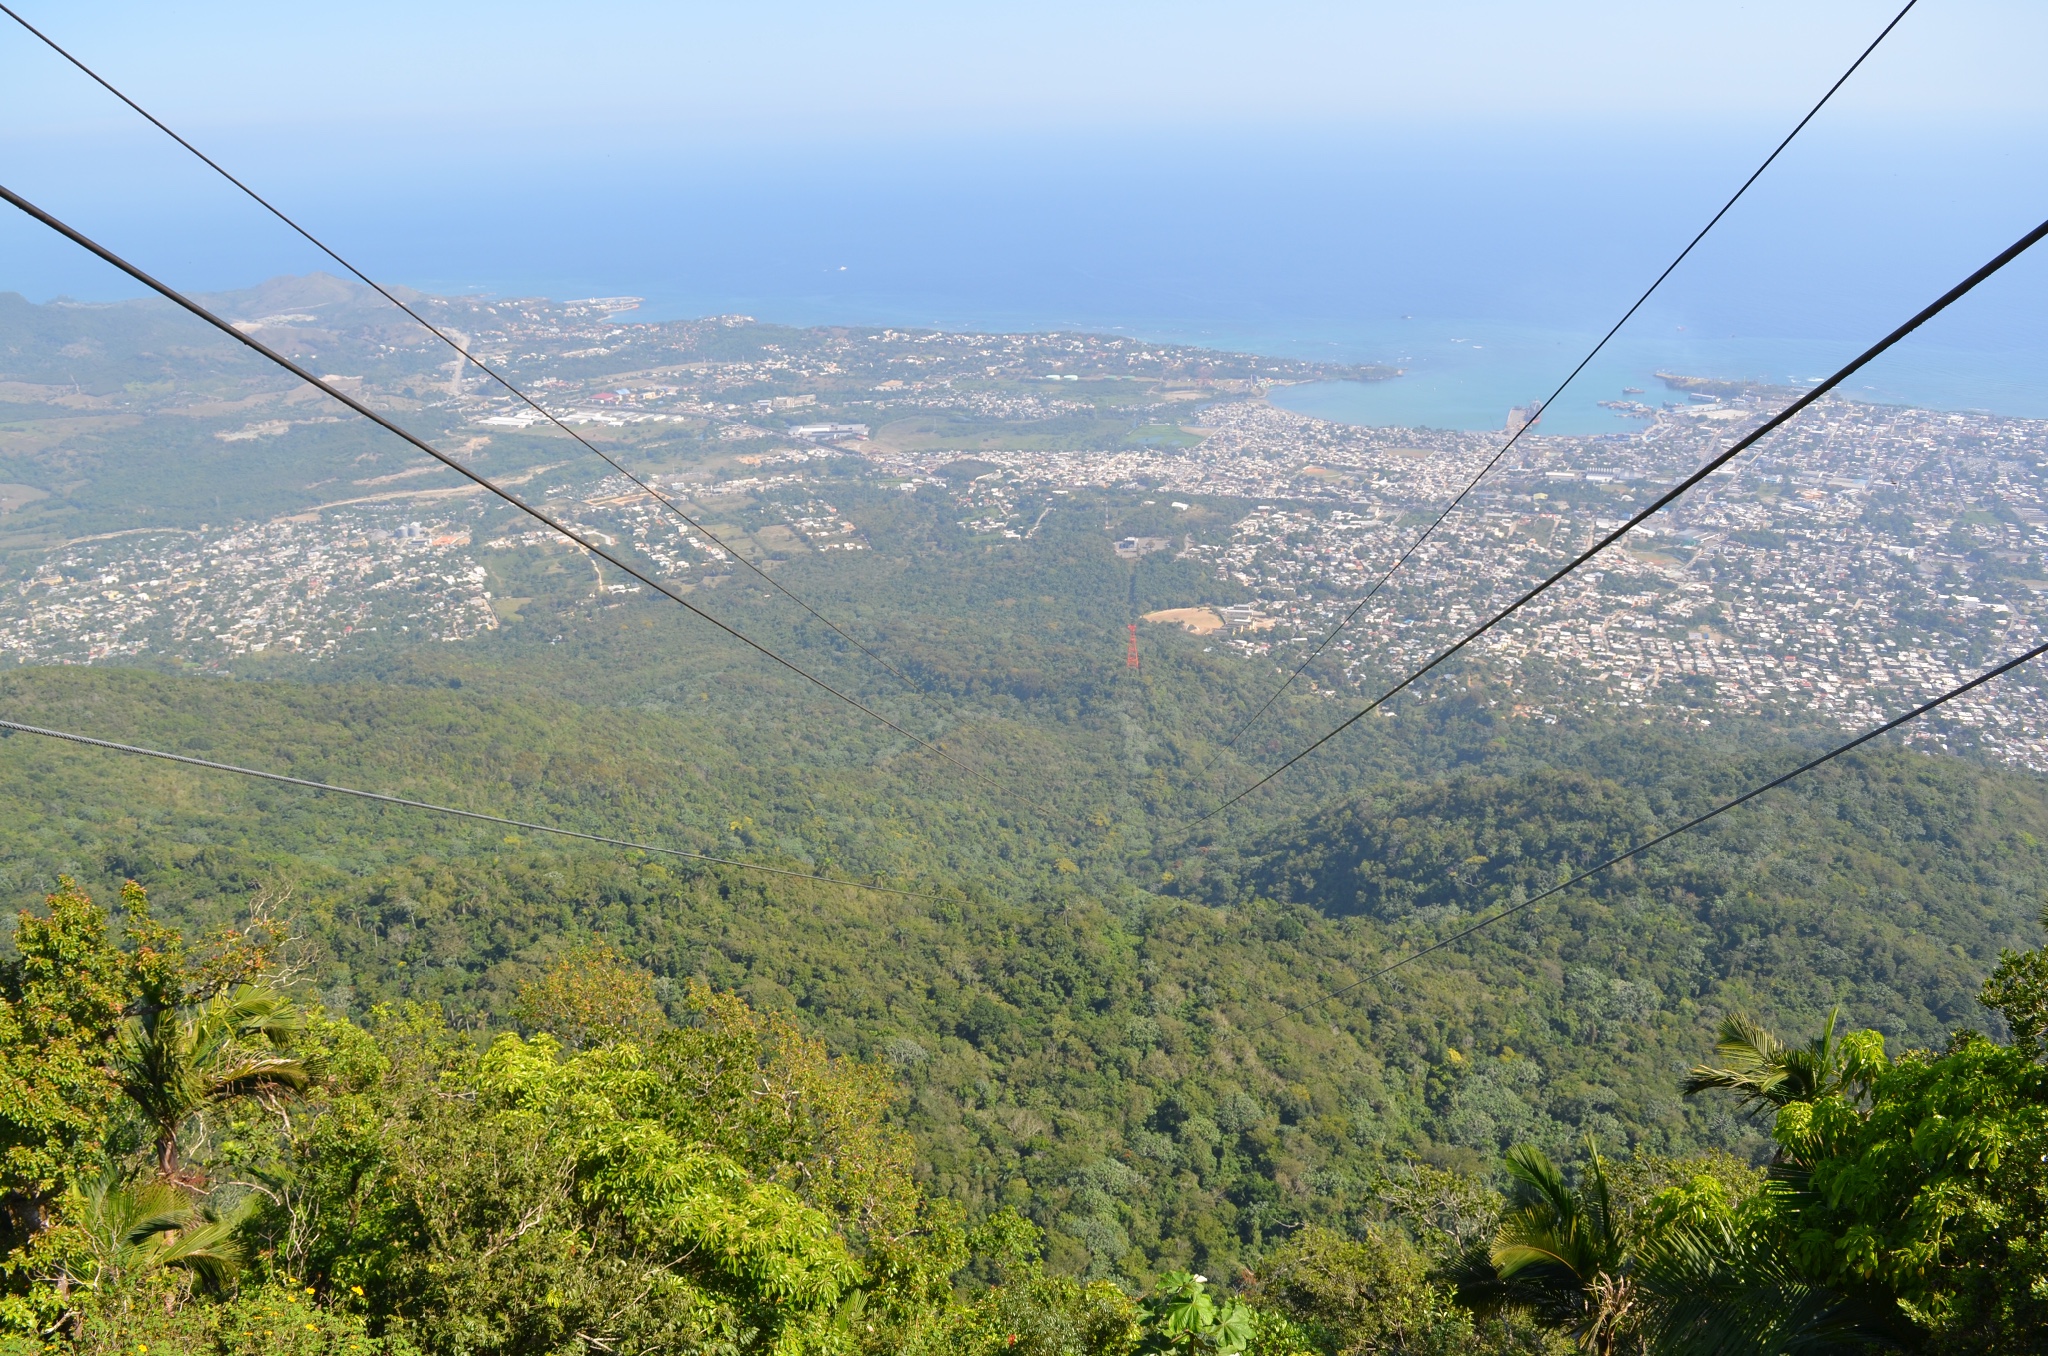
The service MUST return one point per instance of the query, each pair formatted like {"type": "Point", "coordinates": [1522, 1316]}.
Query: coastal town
{"type": "Point", "coordinates": [1853, 563]}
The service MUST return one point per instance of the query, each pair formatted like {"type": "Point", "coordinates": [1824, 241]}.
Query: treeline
{"type": "Point", "coordinates": [199, 1159]}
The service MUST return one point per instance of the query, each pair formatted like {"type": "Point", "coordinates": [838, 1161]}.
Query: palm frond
{"type": "Point", "coordinates": [1539, 1179]}
{"type": "Point", "coordinates": [1545, 1289]}
{"type": "Point", "coordinates": [1561, 1256]}
{"type": "Point", "coordinates": [1512, 1257]}
{"type": "Point", "coordinates": [135, 1226]}
{"type": "Point", "coordinates": [1752, 1064]}
{"type": "Point", "coordinates": [142, 1229]}
{"type": "Point", "coordinates": [1766, 1073]}
{"type": "Point", "coordinates": [248, 1012]}
{"type": "Point", "coordinates": [1745, 1042]}
{"type": "Point", "coordinates": [1477, 1281]}
{"type": "Point", "coordinates": [172, 1063]}
{"type": "Point", "coordinates": [151, 1060]}
{"type": "Point", "coordinates": [1710, 1291]}
{"type": "Point", "coordinates": [1601, 1228]}
{"type": "Point", "coordinates": [208, 1250]}
{"type": "Point", "coordinates": [257, 1076]}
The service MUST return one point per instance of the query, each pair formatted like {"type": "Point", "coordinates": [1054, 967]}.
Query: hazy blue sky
{"type": "Point", "coordinates": [780, 69]}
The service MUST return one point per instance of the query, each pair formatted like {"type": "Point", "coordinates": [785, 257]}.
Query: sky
{"type": "Point", "coordinates": [1296, 177]}
{"type": "Point", "coordinates": [775, 69]}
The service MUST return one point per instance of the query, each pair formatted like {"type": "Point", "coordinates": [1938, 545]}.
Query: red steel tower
{"type": "Point", "coordinates": [1131, 655]}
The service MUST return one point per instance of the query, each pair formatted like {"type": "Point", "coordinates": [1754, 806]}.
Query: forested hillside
{"type": "Point", "coordinates": [1121, 1065]}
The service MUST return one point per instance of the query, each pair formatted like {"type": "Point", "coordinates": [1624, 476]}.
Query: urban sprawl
{"type": "Point", "coordinates": [1852, 564]}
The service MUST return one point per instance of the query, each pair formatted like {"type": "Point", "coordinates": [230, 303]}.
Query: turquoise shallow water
{"type": "Point", "coordinates": [1467, 375]}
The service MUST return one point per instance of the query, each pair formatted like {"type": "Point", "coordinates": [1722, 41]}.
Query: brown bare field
{"type": "Point", "coordinates": [1200, 620]}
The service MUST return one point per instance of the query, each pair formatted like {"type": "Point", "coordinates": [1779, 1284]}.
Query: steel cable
{"type": "Point", "coordinates": [464, 353]}
{"type": "Point", "coordinates": [172, 294]}
{"type": "Point", "coordinates": [1515, 435]}
{"type": "Point", "coordinates": [1665, 837]}
{"type": "Point", "coordinates": [18, 727]}
{"type": "Point", "coordinates": [1927, 313]}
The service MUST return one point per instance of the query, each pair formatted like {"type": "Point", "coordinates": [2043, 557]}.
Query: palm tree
{"type": "Point", "coordinates": [1561, 1256]}
{"type": "Point", "coordinates": [1767, 1073]}
{"type": "Point", "coordinates": [176, 1061]}
{"type": "Point", "coordinates": [1715, 1288]}
{"type": "Point", "coordinates": [132, 1228]}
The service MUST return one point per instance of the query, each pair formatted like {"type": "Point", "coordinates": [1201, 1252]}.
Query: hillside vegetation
{"type": "Point", "coordinates": [1120, 1065]}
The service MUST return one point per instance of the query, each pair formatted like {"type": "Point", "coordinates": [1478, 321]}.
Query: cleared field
{"type": "Point", "coordinates": [14, 496]}
{"type": "Point", "coordinates": [1200, 620]}
{"type": "Point", "coordinates": [780, 540]}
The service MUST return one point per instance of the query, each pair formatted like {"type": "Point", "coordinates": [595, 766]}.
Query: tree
{"type": "Point", "coordinates": [192, 1044]}
{"type": "Point", "coordinates": [2018, 991]}
{"type": "Point", "coordinates": [129, 1228]}
{"type": "Point", "coordinates": [1368, 1296]}
{"type": "Point", "coordinates": [1027, 1311]}
{"type": "Point", "coordinates": [1769, 1075]}
{"type": "Point", "coordinates": [1908, 1206]}
{"type": "Point", "coordinates": [1720, 1284]}
{"type": "Point", "coordinates": [590, 996]}
{"type": "Point", "coordinates": [726, 1185]}
{"type": "Point", "coordinates": [1937, 1194]}
{"type": "Point", "coordinates": [1560, 1255]}
{"type": "Point", "coordinates": [123, 1253]}
{"type": "Point", "coordinates": [175, 1061]}
{"type": "Point", "coordinates": [60, 1005]}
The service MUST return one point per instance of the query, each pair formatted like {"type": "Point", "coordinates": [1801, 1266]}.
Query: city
{"type": "Point", "coordinates": [1794, 579]}
{"type": "Point", "coordinates": [1859, 560]}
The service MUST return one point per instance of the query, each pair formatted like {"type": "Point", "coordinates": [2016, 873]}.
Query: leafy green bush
{"type": "Point", "coordinates": [1365, 1294]}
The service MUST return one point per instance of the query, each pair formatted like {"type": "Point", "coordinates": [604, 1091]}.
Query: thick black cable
{"type": "Point", "coordinates": [1515, 436]}
{"type": "Point", "coordinates": [170, 293]}
{"type": "Point", "coordinates": [17, 727]}
{"type": "Point", "coordinates": [1665, 837]}
{"type": "Point", "coordinates": [466, 355]}
{"type": "Point", "coordinates": [1934, 308]}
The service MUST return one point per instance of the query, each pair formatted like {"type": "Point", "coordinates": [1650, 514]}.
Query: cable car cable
{"type": "Point", "coordinates": [172, 294]}
{"type": "Point", "coordinates": [1856, 364]}
{"type": "Point", "coordinates": [464, 353]}
{"type": "Point", "coordinates": [1665, 837]}
{"type": "Point", "coordinates": [17, 727]}
{"type": "Point", "coordinates": [1516, 435]}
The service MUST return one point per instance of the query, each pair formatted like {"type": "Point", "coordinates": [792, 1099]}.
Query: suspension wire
{"type": "Point", "coordinates": [1934, 308]}
{"type": "Point", "coordinates": [172, 294]}
{"type": "Point", "coordinates": [1665, 837]}
{"type": "Point", "coordinates": [464, 353]}
{"type": "Point", "coordinates": [16, 727]}
{"type": "Point", "coordinates": [1516, 435]}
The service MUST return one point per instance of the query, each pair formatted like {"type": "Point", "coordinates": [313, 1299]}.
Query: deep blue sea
{"type": "Point", "coordinates": [1483, 262]}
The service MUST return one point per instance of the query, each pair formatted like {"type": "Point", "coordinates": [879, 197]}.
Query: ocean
{"type": "Point", "coordinates": [1482, 262]}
